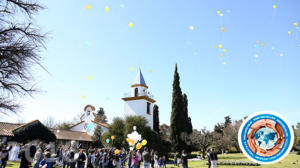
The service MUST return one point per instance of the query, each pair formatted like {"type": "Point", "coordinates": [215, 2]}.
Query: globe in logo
{"type": "Point", "coordinates": [266, 137]}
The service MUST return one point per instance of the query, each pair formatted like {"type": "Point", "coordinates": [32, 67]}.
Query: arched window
{"type": "Point", "coordinates": [136, 92]}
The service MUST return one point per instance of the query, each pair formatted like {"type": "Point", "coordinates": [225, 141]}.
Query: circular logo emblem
{"type": "Point", "coordinates": [266, 137]}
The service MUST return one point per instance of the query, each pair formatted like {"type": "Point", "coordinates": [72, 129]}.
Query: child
{"type": "Point", "coordinates": [160, 162]}
{"type": "Point", "coordinates": [46, 163]}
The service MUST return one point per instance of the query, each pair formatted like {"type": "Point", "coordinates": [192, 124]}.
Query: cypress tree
{"type": "Point", "coordinates": [189, 126]}
{"type": "Point", "coordinates": [185, 113]}
{"type": "Point", "coordinates": [187, 119]}
{"type": "Point", "coordinates": [177, 115]}
{"type": "Point", "coordinates": [156, 118]}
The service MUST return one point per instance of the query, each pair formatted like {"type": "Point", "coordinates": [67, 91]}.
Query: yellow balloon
{"type": "Point", "coordinates": [106, 9]}
{"type": "Point", "coordinates": [220, 45]}
{"type": "Point", "coordinates": [224, 50]}
{"type": "Point", "coordinates": [223, 29]}
{"type": "Point", "coordinates": [274, 6]}
{"type": "Point", "coordinates": [218, 12]}
{"type": "Point", "coordinates": [117, 151]}
{"type": "Point", "coordinates": [289, 32]}
{"type": "Point", "coordinates": [112, 137]}
{"type": "Point", "coordinates": [139, 146]}
{"type": "Point", "coordinates": [88, 7]}
{"type": "Point", "coordinates": [144, 142]}
{"type": "Point", "coordinates": [295, 24]}
{"type": "Point", "coordinates": [131, 142]}
{"type": "Point", "coordinates": [130, 24]}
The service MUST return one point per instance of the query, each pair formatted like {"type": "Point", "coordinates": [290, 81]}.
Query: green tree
{"type": "Point", "coordinates": [177, 126]}
{"type": "Point", "coordinates": [228, 121]}
{"type": "Point", "coordinates": [156, 118]}
{"type": "Point", "coordinates": [219, 128]}
{"type": "Point", "coordinates": [187, 120]}
{"type": "Point", "coordinates": [97, 137]}
{"type": "Point", "coordinates": [117, 129]}
{"type": "Point", "coordinates": [153, 138]}
{"type": "Point", "coordinates": [101, 117]}
{"type": "Point", "coordinates": [189, 126]}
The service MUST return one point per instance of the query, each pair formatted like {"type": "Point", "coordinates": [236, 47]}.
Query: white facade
{"type": "Point", "coordinates": [82, 128]}
{"type": "Point", "coordinates": [139, 101]}
{"type": "Point", "coordinates": [87, 123]}
{"type": "Point", "coordinates": [139, 108]}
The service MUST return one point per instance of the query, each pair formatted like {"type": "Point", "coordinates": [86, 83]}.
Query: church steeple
{"type": "Point", "coordinates": [139, 80]}
{"type": "Point", "coordinates": [139, 101]}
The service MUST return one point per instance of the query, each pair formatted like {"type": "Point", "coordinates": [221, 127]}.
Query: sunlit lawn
{"type": "Point", "coordinates": [291, 161]}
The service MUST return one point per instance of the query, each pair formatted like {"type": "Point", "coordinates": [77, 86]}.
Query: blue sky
{"type": "Point", "coordinates": [100, 44]}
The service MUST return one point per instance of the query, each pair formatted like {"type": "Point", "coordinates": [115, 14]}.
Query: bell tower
{"type": "Point", "coordinates": [139, 101]}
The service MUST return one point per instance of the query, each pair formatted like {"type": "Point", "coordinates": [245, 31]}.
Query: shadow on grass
{"type": "Point", "coordinates": [231, 158]}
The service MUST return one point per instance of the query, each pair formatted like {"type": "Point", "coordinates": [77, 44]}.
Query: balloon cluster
{"type": "Point", "coordinates": [137, 145]}
{"type": "Point", "coordinates": [135, 141]}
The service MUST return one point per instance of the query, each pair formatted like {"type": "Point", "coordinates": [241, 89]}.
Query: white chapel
{"type": "Point", "coordinates": [139, 101]}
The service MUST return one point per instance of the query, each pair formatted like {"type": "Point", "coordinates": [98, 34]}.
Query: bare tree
{"type": "Point", "coordinates": [49, 122]}
{"type": "Point", "coordinates": [20, 44]}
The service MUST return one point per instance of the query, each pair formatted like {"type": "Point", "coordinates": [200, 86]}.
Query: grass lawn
{"type": "Point", "coordinates": [288, 162]}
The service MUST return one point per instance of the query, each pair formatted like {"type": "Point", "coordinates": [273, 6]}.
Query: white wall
{"type": "Point", "coordinates": [139, 107]}
{"type": "Point", "coordinates": [80, 128]}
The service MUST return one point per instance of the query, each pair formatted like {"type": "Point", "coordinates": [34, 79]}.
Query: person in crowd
{"type": "Point", "coordinates": [91, 159]}
{"type": "Point", "coordinates": [38, 157]}
{"type": "Point", "coordinates": [165, 161]}
{"type": "Point", "coordinates": [26, 154]}
{"type": "Point", "coordinates": [214, 158]}
{"type": "Point", "coordinates": [0, 153]}
{"type": "Point", "coordinates": [4, 158]}
{"type": "Point", "coordinates": [208, 158]}
{"type": "Point", "coordinates": [101, 154]}
{"type": "Point", "coordinates": [178, 162]}
{"type": "Point", "coordinates": [117, 163]}
{"type": "Point", "coordinates": [46, 162]}
{"type": "Point", "coordinates": [71, 158]}
{"type": "Point", "coordinates": [81, 159]}
{"type": "Point", "coordinates": [175, 160]}
{"type": "Point", "coordinates": [65, 157]}
{"type": "Point", "coordinates": [156, 158]}
{"type": "Point", "coordinates": [96, 164]}
{"type": "Point", "coordinates": [160, 162]}
{"type": "Point", "coordinates": [184, 159]}
{"type": "Point", "coordinates": [13, 155]}
{"type": "Point", "coordinates": [134, 160]}
{"type": "Point", "coordinates": [59, 153]}
{"type": "Point", "coordinates": [152, 158]}
{"type": "Point", "coordinates": [129, 159]}
{"type": "Point", "coordinates": [146, 158]}
{"type": "Point", "coordinates": [139, 155]}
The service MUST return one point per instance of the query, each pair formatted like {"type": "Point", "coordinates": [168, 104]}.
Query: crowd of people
{"type": "Point", "coordinates": [46, 156]}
